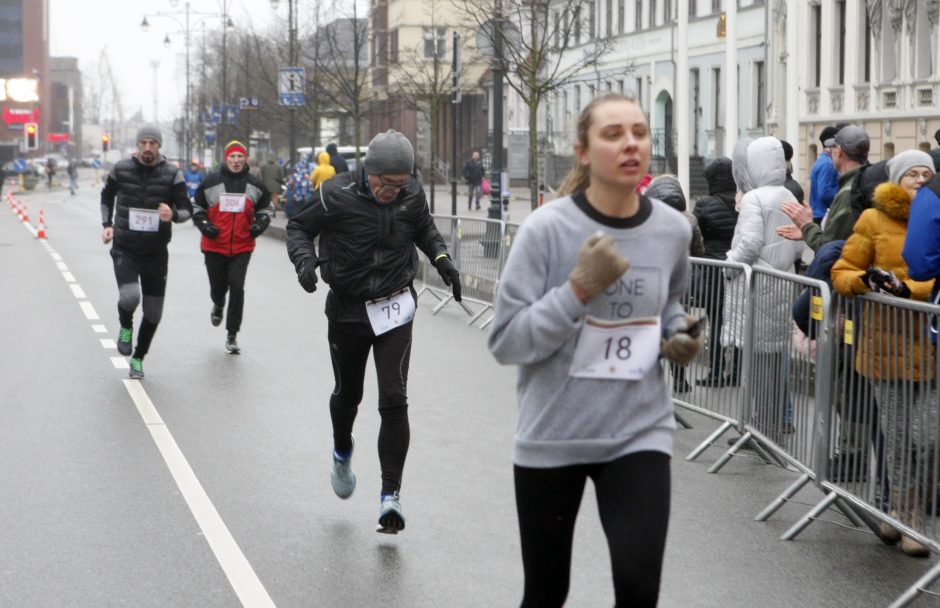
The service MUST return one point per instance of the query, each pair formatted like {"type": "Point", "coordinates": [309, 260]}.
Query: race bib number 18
{"type": "Point", "coordinates": [144, 220]}
{"type": "Point", "coordinates": [616, 350]}
{"type": "Point", "coordinates": [394, 311]}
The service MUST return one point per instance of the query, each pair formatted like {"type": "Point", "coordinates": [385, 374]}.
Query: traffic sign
{"type": "Point", "coordinates": [249, 103]}
{"type": "Point", "coordinates": [19, 165]}
{"type": "Point", "coordinates": [291, 85]}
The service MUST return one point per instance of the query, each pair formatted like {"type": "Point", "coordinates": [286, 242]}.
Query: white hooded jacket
{"type": "Point", "coordinates": [757, 244]}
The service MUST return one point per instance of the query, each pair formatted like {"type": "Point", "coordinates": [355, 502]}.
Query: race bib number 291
{"type": "Point", "coordinates": [616, 350]}
{"type": "Point", "coordinates": [143, 220]}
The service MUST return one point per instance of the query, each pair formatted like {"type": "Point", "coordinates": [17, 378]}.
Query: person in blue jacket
{"type": "Point", "coordinates": [922, 244]}
{"type": "Point", "coordinates": [823, 178]}
{"type": "Point", "coordinates": [193, 177]}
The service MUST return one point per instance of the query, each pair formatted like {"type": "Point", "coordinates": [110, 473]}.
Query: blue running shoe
{"type": "Point", "coordinates": [391, 517]}
{"type": "Point", "coordinates": [342, 477]}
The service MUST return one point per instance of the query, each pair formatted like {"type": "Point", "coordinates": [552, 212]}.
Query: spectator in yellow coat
{"type": "Point", "coordinates": [324, 170]}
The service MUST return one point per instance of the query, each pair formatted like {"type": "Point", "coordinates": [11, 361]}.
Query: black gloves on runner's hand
{"type": "Point", "coordinates": [207, 228]}
{"type": "Point", "coordinates": [307, 276]}
{"type": "Point", "coordinates": [255, 230]}
{"type": "Point", "coordinates": [449, 274]}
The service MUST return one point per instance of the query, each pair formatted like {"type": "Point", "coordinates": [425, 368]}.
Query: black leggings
{"type": "Point", "coordinates": [349, 351]}
{"type": "Point", "coordinates": [136, 275]}
{"type": "Point", "coordinates": [633, 495]}
{"type": "Point", "coordinates": [227, 274]}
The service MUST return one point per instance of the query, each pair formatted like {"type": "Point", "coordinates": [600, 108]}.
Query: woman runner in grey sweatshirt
{"type": "Point", "coordinates": [588, 302]}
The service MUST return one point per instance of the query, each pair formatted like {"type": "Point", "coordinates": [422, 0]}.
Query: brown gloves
{"type": "Point", "coordinates": [599, 265]}
{"type": "Point", "coordinates": [684, 344]}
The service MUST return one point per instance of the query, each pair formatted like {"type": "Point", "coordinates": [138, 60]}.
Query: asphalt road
{"type": "Point", "coordinates": [210, 486]}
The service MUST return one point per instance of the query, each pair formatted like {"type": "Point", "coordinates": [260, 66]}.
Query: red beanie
{"type": "Point", "coordinates": [234, 146]}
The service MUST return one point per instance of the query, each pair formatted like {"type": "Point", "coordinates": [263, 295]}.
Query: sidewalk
{"type": "Point", "coordinates": [519, 208]}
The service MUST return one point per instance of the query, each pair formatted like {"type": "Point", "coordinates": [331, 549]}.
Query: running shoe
{"type": "Point", "coordinates": [216, 315]}
{"type": "Point", "coordinates": [125, 337]}
{"type": "Point", "coordinates": [342, 477]}
{"type": "Point", "coordinates": [137, 369]}
{"type": "Point", "coordinates": [391, 517]}
{"type": "Point", "coordinates": [231, 346]}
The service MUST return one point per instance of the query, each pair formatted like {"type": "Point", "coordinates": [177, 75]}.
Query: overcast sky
{"type": "Point", "coordinates": [82, 28]}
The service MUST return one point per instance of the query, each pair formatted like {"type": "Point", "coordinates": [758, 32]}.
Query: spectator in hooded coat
{"type": "Point", "coordinates": [761, 170]}
{"type": "Point", "coordinates": [668, 189]}
{"type": "Point", "coordinates": [337, 160]}
{"type": "Point", "coordinates": [717, 218]}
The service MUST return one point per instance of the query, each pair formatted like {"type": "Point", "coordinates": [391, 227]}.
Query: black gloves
{"type": "Point", "coordinates": [207, 228]}
{"type": "Point", "coordinates": [260, 224]}
{"type": "Point", "coordinates": [449, 274]}
{"type": "Point", "coordinates": [307, 276]}
{"type": "Point", "coordinates": [882, 280]}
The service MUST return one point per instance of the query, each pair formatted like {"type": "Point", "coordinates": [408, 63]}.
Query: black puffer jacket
{"type": "Point", "coordinates": [715, 212]}
{"type": "Point", "coordinates": [366, 249]}
{"type": "Point", "coordinates": [132, 184]}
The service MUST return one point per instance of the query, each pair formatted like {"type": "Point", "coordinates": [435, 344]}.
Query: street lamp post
{"type": "Point", "coordinates": [186, 25]}
{"type": "Point", "coordinates": [292, 59]}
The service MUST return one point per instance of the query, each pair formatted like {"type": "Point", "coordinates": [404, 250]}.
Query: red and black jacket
{"type": "Point", "coordinates": [237, 230]}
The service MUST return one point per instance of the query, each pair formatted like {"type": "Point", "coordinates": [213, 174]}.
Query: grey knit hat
{"type": "Point", "coordinates": [390, 153]}
{"type": "Point", "coordinates": [899, 164]}
{"type": "Point", "coordinates": [150, 131]}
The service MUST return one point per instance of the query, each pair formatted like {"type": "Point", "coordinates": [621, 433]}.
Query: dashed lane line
{"type": "Point", "coordinates": [241, 576]}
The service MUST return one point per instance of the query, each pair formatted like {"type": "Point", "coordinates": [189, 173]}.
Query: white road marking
{"type": "Point", "coordinates": [108, 343]}
{"type": "Point", "coordinates": [99, 329]}
{"type": "Point", "coordinates": [55, 256]}
{"type": "Point", "coordinates": [240, 574]}
{"type": "Point", "coordinates": [89, 311]}
{"type": "Point", "coordinates": [120, 363]}
{"type": "Point", "coordinates": [77, 290]}
{"type": "Point", "coordinates": [61, 266]}
{"type": "Point", "coordinates": [69, 277]}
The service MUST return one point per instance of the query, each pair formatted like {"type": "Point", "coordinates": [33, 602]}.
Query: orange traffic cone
{"type": "Point", "coordinates": [41, 234]}
{"type": "Point", "coordinates": [25, 213]}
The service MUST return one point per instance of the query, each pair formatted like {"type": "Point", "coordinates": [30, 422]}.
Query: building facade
{"type": "Point", "coordinates": [24, 61]}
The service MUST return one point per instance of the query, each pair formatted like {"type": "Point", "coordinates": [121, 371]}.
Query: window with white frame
{"type": "Point", "coordinates": [435, 42]}
{"type": "Point", "coordinates": [592, 19]}
{"type": "Point", "coordinates": [638, 17]}
{"type": "Point", "coordinates": [840, 49]}
{"type": "Point", "coordinates": [609, 17]}
{"type": "Point", "coordinates": [621, 14]}
{"type": "Point", "coordinates": [577, 100]}
{"type": "Point", "coordinates": [652, 15]}
{"type": "Point", "coordinates": [557, 33]}
{"type": "Point", "coordinates": [667, 11]}
{"type": "Point", "coordinates": [577, 25]}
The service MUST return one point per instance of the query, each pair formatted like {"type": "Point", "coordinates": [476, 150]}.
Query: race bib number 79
{"type": "Point", "coordinates": [394, 311]}
{"type": "Point", "coordinates": [616, 350]}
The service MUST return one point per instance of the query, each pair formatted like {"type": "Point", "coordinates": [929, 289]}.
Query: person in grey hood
{"type": "Point", "coordinates": [717, 218]}
{"type": "Point", "coordinates": [590, 298]}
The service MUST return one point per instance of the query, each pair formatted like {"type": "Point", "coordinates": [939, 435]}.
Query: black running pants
{"type": "Point", "coordinates": [227, 275]}
{"type": "Point", "coordinates": [350, 344]}
{"type": "Point", "coordinates": [633, 494]}
{"type": "Point", "coordinates": [141, 274]}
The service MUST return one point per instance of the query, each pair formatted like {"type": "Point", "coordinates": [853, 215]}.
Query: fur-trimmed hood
{"type": "Point", "coordinates": [893, 200]}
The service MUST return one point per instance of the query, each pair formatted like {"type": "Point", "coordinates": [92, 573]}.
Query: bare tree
{"type": "Point", "coordinates": [538, 38]}
{"type": "Point", "coordinates": [425, 83]}
{"type": "Point", "coordinates": [340, 54]}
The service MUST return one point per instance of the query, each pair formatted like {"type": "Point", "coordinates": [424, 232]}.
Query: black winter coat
{"type": "Point", "coordinates": [134, 185]}
{"type": "Point", "coordinates": [716, 219]}
{"type": "Point", "coordinates": [366, 249]}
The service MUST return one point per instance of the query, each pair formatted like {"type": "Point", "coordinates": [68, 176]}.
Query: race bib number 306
{"type": "Point", "coordinates": [232, 203]}
{"type": "Point", "coordinates": [144, 220]}
{"type": "Point", "coordinates": [616, 350]}
{"type": "Point", "coordinates": [394, 311]}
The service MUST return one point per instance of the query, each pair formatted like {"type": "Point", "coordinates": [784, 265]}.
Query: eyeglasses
{"type": "Point", "coordinates": [925, 174]}
{"type": "Point", "coordinates": [393, 186]}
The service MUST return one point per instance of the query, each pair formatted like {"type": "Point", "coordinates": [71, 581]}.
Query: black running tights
{"type": "Point", "coordinates": [633, 501]}
{"type": "Point", "coordinates": [140, 274]}
{"type": "Point", "coordinates": [227, 275]}
{"type": "Point", "coordinates": [350, 344]}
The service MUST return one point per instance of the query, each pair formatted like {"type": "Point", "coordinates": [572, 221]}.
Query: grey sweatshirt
{"type": "Point", "coordinates": [565, 420]}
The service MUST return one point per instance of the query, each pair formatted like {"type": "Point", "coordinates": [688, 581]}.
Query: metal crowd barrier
{"type": "Point", "coordinates": [479, 248]}
{"type": "Point", "coordinates": [852, 405]}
